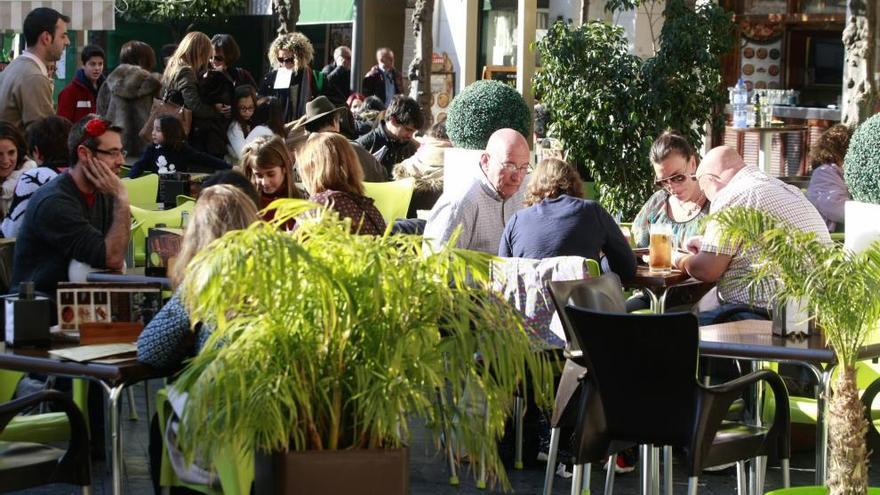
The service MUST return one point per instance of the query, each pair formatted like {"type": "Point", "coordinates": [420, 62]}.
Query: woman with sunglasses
{"type": "Point", "coordinates": [291, 55]}
{"type": "Point", "coordinates": [678, 200]}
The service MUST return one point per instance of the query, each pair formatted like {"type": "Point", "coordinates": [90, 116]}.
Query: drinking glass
{"type": "Point", "coordinates": [660, 249]}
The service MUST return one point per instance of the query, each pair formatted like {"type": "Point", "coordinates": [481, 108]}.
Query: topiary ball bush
{"type": "Point", "coordinates": [483, 108]}
{"type": "Point", "coordinates": [861, 168]}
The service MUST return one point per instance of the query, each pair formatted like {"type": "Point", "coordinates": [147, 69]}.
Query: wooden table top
{"type": "Point", "coordinates": [38, 360]}
{"type": "Point", "coordinates": [646, 278]}
{"type": "Point", "coordinates": [754, 339]}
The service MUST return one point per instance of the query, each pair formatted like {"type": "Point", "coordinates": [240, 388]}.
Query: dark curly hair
{"type": "Point", "coordinates": [831, 146]}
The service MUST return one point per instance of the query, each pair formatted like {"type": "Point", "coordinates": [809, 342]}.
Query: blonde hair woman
{"type": "Point", "coordinates": [558, 222]}
{"type": "Point", "coordinates": [333, 177]}
{"type": "Point", "coordinates": [180, 81]}
{"type": "Point", "coordinates": [168, 339]}
{"type": "Point", "coordinates": [292, 54]}
{"type": "Point", "coordinates": [267, 164]}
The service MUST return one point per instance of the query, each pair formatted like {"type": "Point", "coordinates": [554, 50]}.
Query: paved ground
{"type": "Point", "coordinates": [428, 475]}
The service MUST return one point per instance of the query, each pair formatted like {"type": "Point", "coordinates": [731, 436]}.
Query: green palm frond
{"type": "Point", "coordinates": [327, 340]}
{"type": "Point", "coordinates": [841, 287]}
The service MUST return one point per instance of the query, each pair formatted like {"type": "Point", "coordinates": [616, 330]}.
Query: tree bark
{"type": "Point", "coordinates": [859, 41]}
{"type": "Point", "coordinates": [848, 459]}
{"type": "Point", "coordinates": [585, 12]}
{"type": "Point", "coordinates": [288, 15]}
{"type": "Point", "coordinates": [420, 67]}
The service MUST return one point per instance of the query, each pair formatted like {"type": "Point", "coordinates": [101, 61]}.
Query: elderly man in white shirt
{"type": "Point", "coordinates": [483, 208]}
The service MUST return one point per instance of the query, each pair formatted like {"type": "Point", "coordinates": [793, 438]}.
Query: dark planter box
{"type": "Point", "coordinates": [352, 472]}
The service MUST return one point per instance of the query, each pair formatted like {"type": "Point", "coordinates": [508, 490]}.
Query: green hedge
{"type": "Point", "coordinates": [483, 108]}
{"type": "Point", "coordinates": [861, 167]}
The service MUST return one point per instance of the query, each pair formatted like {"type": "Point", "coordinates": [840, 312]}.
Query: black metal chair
{"type": "Point", "coordinates": [643, 368]}
{"type": "Point", "coordinates": [873, 436]}
{"type": "Point", "coordinates": [603, 293]}
{"type": "Point", "coordinates": [27, 465]}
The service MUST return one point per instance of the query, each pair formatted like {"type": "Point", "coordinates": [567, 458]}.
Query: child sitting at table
{"type": "Point", "coordinates": [267, 163]}
{"type": "Point", "coordinates": [170, 152]}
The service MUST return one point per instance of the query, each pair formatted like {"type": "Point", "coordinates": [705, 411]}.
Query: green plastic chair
{"type": "Point", "coordinates": [391, 198]}
{"type": "Point", "coordinates": [143, 191]}
{"type": "Point", "coordinates": [39, 428]}
{"type": "Point", "coordinates": [235, 469]}
{"type": "Point", "coordinates": [182, 198]}
{"type": "Point", "coordinates": [838, 237]}
{"type": "Point", "coordinates": [124, 171]}
{"type": "Point", "coordinates": [593, 268]}
{"type": "Point", "coordinates": [143, 220]}
{"type": "Point", "coordinates": [804, 410]}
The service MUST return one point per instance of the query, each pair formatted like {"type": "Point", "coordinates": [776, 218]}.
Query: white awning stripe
{"type": "Point", "coordinates": [94, 15]}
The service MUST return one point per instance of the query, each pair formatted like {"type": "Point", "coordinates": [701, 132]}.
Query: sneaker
{"type": "Point", "coordinates": [622, 466]}
{"type": "Point", "coordinates": [563, 472]}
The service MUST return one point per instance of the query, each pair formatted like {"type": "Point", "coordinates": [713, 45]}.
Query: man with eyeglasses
{"type": "Point", "coordinates": [483, 208]}
{"type": "Point", "coordinates": [82, 215]}
{"type": "Point", "coordinates": [728, 182]}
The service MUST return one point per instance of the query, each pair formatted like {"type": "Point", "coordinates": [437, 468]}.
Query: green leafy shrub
{"type": "Point", "coordinates": [861, 168]}
{"type": "Point", "coordinates": [483, 108]}
{"type": "Point", "coordinates": [607, 105]}
{"type": "Point", "coordinates": [336, 340]}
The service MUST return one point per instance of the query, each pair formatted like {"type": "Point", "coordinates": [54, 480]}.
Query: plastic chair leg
{"type": "Point", "coordinates": [609, 475]}
{"type": "Point", "coordinates": [692, 485]}
{"type": "Point", "coordinates": [786, 474]}
{"type": "Point", "coordinates": [741, 480]}
{"type": "Point", "coordinates": [519, 406]}
{"type": "Point", "coordinates": [667, 469]}
{"type": "Point", "coordinates": [577, 479]}
{"type": "Point", "coordinates": [147, 400]}
{"type": "Point", "coordinates": [551, 461]}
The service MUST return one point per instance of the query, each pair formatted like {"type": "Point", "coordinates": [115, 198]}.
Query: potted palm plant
{"type": "Point", "coordinates": [841, 289]}
{"type": "Point", "coordinates": [325, 344]}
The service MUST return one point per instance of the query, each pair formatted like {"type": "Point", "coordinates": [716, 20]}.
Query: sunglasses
{"type": "Point", "coordinates": [673, 179]}
{"type": "Point", "coordinates": [288, 60]}
{"type": "Point", "coordinates": [218, 58]}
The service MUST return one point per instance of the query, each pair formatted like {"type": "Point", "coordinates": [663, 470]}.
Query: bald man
{"type": "Point", "coordinates": [482, 210]}
{"type": "Point", "coordinates": [728, 182]}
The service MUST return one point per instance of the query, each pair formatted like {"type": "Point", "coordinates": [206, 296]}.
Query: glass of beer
{"type": "Point", "coordinates": [660, 249]}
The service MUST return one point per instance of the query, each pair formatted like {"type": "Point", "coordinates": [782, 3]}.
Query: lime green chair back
{"type": "Point", "coordinates": [627, 229]}
{"type": "Point", "coordinates": [39, 428]}
{"type": "Point", "coordinates": [182, 198]}
{"type": "Point", "coordinates": [143, 220]}
{"type": "Point", "coordinates": [124, 171]}
{"type": "Point", "coordinates": [391, 198]}
{"type": "Point", "coordinates": [593, 268]}
{"type": "Point", "coordinates": [142, 192]}
{"type": "Point", "coordinates": [234, 468]}
{"type": "Point", "coordinates": [838, 237]}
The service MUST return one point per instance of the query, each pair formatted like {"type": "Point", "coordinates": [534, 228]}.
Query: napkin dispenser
{"type": "Point", "coordinates": [791, 317]}
{"type": "Point", "coordinates": [26, 318]}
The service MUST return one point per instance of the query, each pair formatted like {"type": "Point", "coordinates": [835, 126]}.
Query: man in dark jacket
{"type": "Point", "coordinates": [337, 76]}
{"type": "Point", "coordinates": [391, 142]}
{"type": "Point", "coordinates": [383, 80]}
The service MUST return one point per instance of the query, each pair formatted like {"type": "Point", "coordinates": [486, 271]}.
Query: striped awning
{"type": "Point", "coordinates": [95, 15]}
{"type": "Point", "coordinates": [311, 11]}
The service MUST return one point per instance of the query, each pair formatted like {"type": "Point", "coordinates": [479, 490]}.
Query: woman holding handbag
{"type": "Point", "coordinates": [180, 80]}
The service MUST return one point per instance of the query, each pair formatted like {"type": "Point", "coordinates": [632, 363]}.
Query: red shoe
{"type": "Point", "coordinates": [621, 466]}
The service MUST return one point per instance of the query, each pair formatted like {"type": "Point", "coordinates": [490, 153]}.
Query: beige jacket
{"type": "Point", "coordinates": [25, 93]}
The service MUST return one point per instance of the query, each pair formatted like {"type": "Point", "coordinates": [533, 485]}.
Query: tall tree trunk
{"type": "Point", "coordinates": [585, 11]}
{"type": "Point", "coordinates": [848, 459]}
{"type": "Point", "coordinates": [288, 15]}
{"type": "Point", "coordinates": [420, 67]}
{"type": "Point", "coordinates": [859, 40]}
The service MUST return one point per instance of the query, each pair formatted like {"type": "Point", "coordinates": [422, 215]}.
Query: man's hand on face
{"type": "Point", "coordinates": [102, 177]}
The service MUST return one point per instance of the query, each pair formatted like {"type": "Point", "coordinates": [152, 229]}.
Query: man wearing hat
{"type": "Point", "coordinates": [322, 116]}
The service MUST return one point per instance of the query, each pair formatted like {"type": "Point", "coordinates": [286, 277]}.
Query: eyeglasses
{"type": "Point", "coordinates": [246, 109]}
{"type": "Point", "coordinates": [673, 179]}
{"type": "Point", "coordinates": [513, 168]}
{"type": "Point", "coordinates": [218, 58]}
{"type": "Point", "coordinates": [288, 60]}
{"type": "Point", "coordinates": [113, 153]}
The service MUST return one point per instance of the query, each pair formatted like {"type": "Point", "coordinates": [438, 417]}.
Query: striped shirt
{"type": "Point", "coordinates": [751, 188]}
{"type": "Point", "coordinates": [479, 210]}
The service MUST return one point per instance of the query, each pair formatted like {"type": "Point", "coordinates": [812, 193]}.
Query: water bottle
{"type": "Point", "coordinates": [740, 101]}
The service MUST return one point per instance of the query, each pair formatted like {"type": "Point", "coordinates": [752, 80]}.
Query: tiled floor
{"type": "Point", "coordinates": [428, 474]}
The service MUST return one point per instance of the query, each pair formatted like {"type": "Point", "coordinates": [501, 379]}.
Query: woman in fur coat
{"type": "Point", "coordinates": [127, 95]}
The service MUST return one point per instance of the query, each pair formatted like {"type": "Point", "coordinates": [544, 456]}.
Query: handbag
{"type": "Point", "coordinates": [164, 107]}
